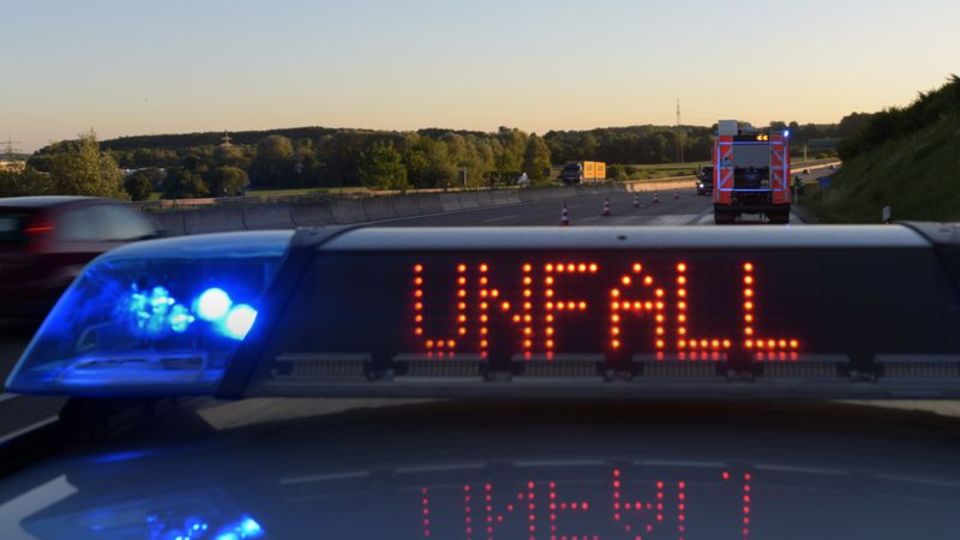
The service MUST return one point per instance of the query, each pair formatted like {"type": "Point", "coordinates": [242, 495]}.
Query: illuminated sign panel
{"type": "Point", "coordinates": [616, 307]}
{"type": "Point", "coordinates": [553, 306]}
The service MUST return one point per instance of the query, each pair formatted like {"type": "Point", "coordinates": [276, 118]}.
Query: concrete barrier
{"type": "Point", "coordinates": [504, 197]}
{"type": "Point", "coordinates": [348, 211]}
{"type": "Point", "coordinates": [210, 220]}
{"type": "Point", "coordinates": [429, 203]}
{"type": "Point", "coordinates": [267, 217]}
{"type": "Point", "coordinates": [312, 215]}
{"type": "Point", "coordinates": [450, 202]}
{"type": "Point", "coordinates": [484, 198]}
{"type": "Point", "coordinates": [469, 200]}
{"type": "Point", "coordinates": [170, 223]}
{"type": "Point", "coordinates": [529, 195]}
{"type": "Point", "coordinates": [558, 193]}
{"type": "Point", "coordinates": [378, 208]}
{"type": "Point", "coordinates": [405, 206]}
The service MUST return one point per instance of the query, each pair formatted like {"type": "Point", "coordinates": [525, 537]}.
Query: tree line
{"type": "Point", "coordinates": [202, 165]}
{"type": "Point", "coordinates": [339, 158]}
{"type": "Point", "coordinates": [428, 158]}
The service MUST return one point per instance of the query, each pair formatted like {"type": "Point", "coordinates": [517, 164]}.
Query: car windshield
{"type": "Point", "coordinates": [320, 269]}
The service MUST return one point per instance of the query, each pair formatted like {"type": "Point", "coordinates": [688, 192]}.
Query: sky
{"type": "Point", "coordinates": [133, 67]}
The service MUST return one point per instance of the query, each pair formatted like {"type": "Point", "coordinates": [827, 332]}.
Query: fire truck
{"type": "Point", "coordinates": [751, 173]}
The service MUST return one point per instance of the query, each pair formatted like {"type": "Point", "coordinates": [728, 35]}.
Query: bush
{"type": "Point", "coordinates": [138, 186]}
{"type": "Point", "coordinates": [183, 184]}
{"type": "Point", "coordinates": [617, 173]}
{"type": "Point", "coordinates": [226, 181]}
{"type": "Point", "coordinates": [381, 167]}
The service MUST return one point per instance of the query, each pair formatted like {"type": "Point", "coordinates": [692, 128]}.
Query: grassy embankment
{"type": "Point", "coordinates": [905, 158]}
{"type": "Point", "coordinates": [918, 176]}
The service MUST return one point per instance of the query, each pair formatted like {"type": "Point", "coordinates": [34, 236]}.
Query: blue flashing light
{"type": "Point", "coordinates": [250, 528]}
{"type": "Point", "coordinates": [239, 321]}
{"type": "Point", "coordinates": [160, 299]}
{"type": "Point", "coordinates": [180, 318]}
{"type": "Point", "coordinates": [786, 133]}
{"type": "Point", "coordinates": [213, 304]}
{"type": "Point", "coordinates": [153, 312]}
{"type": "Point", "coordinates": [150, 311]}
{"type": "Point", "coordinates": [246, 527]}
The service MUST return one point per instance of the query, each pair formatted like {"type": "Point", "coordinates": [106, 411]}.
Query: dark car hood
{"type": "Point", "coordinates": [510, 471]}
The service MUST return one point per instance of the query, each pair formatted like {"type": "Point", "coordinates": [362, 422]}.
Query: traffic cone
{"type": "Point", "coordinates": [564, 215]}
{"type": "Point", "coordinates": [606, 208]}
{"type": "Point", "coordinates": [636, 201]}
{"type": "Point", "coordinates": [656, 198]}
{"type": "Point", "coordinates": [676, 195]}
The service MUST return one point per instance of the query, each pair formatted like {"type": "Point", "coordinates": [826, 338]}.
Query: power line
{"type": "Point", "coordinates": [9, 149]}
{"type": "Point", "coordinates": [678, 136]}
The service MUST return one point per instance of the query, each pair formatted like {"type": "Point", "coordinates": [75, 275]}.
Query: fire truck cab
{"type": "Point", "coordinates": [751, 173]}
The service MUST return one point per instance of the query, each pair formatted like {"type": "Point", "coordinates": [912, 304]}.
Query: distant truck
{"type": "Point", "coordinates": [576, 172]}
{"type": "Point", "coordinates": [751, 173]}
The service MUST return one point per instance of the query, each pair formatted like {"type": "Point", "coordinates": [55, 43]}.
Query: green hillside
{"type": "Point", "coordinates": [908, 159]}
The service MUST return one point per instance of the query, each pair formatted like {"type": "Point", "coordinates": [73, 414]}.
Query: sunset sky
{"type": "Point", "coordinates": [139, 67]}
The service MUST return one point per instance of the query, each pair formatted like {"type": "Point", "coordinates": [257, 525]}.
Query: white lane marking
{"type": "Point", "coordinates": [41, 424]}
{"type": "Point", "coordinates": [42, 497]}
{"type": "Point", "coordinates": [590, 218]}
{"type": "Point", "coordinates": [707, 218]}
{"type": "Point", "coordinates": [672, 219]}
{"type": "Point", "coordinates": [4, 397]}
{"type": "Point", "coordinates": [491, 220]}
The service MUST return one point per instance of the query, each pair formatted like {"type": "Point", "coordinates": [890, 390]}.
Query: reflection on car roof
{"type": "Point", "coordinates": [45, 201]}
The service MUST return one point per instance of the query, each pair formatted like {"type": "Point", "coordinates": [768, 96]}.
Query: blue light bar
{"type": "Point", "coordinates": [159, 317]}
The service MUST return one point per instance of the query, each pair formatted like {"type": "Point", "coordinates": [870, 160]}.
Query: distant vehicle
{"type": "Point", "coordinates": [46, 241]}
{"type": "Point", "coordinates": [577, 172]}
{"type": "Point", "coordinates": [751, 173]}
{"type": "Point", "coordinates": [705, 181]}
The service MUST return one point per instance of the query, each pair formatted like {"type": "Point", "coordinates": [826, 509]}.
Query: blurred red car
{"type": "Point", "coordinates": [46, 241]}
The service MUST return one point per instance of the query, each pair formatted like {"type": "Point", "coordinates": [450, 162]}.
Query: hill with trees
{"type": "Point", "coordinates": [907, 158]}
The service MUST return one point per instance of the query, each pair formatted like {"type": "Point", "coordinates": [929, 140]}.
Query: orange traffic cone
{"type": "Point", "coordinates": [636, 201]}
{"type": "Point", "coordinates": [656, 198]}
{"type": "Point", "coordinates": [606, 208]}
{"type": "Point", "coordinates": [564, 215]}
